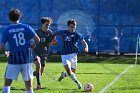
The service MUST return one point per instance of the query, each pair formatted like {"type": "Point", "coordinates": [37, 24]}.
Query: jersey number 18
{"type": "Point", "coordinates": [19, 38]}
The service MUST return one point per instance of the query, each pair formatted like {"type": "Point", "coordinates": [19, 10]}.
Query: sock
{"type": "Point", "coordinates": [73, 77]}
{"type": "Point", "coordinates": [6, 89]}
{"type": "Point", "coordinates": [38, 78]}
{"type": "Point", "coordinates": [65, 74]}
{"type": "Point", "coordinates": [30, 91]}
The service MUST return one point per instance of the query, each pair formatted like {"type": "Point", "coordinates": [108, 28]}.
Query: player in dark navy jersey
{"type": "Point", "coordinates": [70, 38]}
{"type": "Point", "coordinates": [18, 36]}
{"type": "Point", "coordinates": [41, 50]}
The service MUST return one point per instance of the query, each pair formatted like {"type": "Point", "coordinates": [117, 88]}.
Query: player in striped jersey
{"type": "Point", "coordinates": [70, 39]}
{"type": "Point", "coordinates": [18, 36]}
{"type": "Point", "coordinates": [41, 50]}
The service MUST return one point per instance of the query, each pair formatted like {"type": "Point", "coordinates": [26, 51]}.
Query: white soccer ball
{"type": "Point", "coordinates": [88, 87]}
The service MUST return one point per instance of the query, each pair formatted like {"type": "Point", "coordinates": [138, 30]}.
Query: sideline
{"type": "Point", "coordinates": [110, 84]}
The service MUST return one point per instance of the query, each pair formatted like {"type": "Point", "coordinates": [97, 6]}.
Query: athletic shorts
{"type": "Point", "coordinates": [42, 58]}
{"type": "Point", "coordinates": [12, 71]}
{"type": "Point", "coordinates": [70, 59]}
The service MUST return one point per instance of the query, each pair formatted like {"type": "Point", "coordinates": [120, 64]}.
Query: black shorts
{"type": "Point", "coordinates": [42, 57]}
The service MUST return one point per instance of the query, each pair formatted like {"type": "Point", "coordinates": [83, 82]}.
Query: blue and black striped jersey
{"type": "Point", "coordinates": [18, 37]}
{"type": "Point", "coordinates": [69, 41]}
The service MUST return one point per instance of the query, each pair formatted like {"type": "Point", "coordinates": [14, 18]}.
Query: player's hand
{"type": "Point", "coordinates": [7, 53]}
{"type": "Point", "coordinates": [54, 42]}
{"type": "Point", "coordinates": [86, 49]}
{"type": "Point", "coordinates": [33, 46]}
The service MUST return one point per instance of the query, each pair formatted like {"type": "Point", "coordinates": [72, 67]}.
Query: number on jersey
{"type": "Point", "coordinates": [19, 38]}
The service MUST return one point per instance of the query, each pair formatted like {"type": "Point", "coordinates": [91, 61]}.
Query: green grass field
{"type": "Point", "coordinates": [100, 73]}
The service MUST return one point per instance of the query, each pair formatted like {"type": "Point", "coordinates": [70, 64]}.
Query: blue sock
{"type": "Point", "coordinates": [6, 89]}
{"type": "Point", "coordinates": [30, 91]}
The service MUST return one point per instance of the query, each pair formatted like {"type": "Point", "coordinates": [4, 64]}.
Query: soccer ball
{"type": "Point", "coordinates": [88, 87]}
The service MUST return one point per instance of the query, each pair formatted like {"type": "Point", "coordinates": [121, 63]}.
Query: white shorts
{"type": "Point", "coordinates": [70, 59]}
{"type": "Point", "coordinates": [12, 71]}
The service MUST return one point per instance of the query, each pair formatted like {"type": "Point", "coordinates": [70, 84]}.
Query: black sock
{"type": "Point", "coordinates": [38, 78]}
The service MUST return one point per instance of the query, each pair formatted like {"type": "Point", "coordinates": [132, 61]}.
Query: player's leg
{"type": "Point", "coordinates": [7, 85]}
{"type": "Point", "coordinates": [66, 59]}
{"type": "Point", "coordinates": [73, 58]}
{"type": "Point", "coordinates": [63, 74]}
{"type": "Point", "coordinates": [37, 72]}
{"type": "Point", "coordinates": [28, 85]}
{"type": "Point", "coordinates": [72, 76]}
{"type": "Point", "coordinates": [43, 60]}
{"type": "Point", "coordinates": [73, 65]}
{"type": "Point", "coordinates": [73, 69]}
{"type": "Point", "coordinates": [38, 75]}
{"type": "Point", "coordinates": [27, 76]}
{"type": "Point", "coordinates": [11, 73]}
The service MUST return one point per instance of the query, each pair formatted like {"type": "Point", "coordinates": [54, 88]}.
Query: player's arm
{"type": "Point", "coordinates": [36, 41]}
{"type": "Point", "coordinates": [85, 45]}
{"type": "Point", "coordinates": [54, 42]}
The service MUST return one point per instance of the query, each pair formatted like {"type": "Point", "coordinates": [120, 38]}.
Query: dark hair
{"type": "Point", "coordinates": [71, 21]}
{"type": "Point", "coordinates": [14, 14]}
{"type": "Point", "coordinates": [46, 19]}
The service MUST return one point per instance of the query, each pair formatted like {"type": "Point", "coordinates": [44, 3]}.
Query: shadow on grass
{"type": "Point", "coordinates": [126, 88]}
{"type": "Point", "coordinates": [45, 88]}
{"type": "Point", "coordinates": [93, 73]}
{"type": "Point", "coordinates": [74, 90]}
{"type": "Point", "coordinates": [18, 89]}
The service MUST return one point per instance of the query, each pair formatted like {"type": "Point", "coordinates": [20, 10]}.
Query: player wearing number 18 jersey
{"type": "Point", "coordinates": [18, 36]}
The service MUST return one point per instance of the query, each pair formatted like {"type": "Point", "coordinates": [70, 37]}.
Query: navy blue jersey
{"type": "Point", "coordinates": [69, 41]}
{"type": "Point", "coordinates": [18, 37]}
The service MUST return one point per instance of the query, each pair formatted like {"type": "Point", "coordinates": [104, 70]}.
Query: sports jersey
{"type": "Point", "coordinates": [69, 41]}
{"type": "Point", "coordinates": [18, 37]}
{"type": "Point", "coordinates": [42, 48]}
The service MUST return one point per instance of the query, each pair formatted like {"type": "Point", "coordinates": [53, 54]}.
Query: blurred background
{"type": "Point", "coordinates": [110, 26]}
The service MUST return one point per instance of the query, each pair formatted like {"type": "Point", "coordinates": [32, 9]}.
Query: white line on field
{"type": "Point", "coordinates": [105, 88]}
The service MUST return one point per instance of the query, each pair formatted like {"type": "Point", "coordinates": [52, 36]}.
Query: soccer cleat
{"type": "Point", "coordinates": [38, 87]}
{"type": "Point", "coordinates": [61, 77]}
{"type": "Point", "coordinates": [79, 85]}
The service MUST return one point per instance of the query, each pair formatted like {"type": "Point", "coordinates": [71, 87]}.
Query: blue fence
{"type": "Point", "coordinates": [108, 25]}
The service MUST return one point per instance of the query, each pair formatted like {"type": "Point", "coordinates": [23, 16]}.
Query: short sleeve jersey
{"type": "Point", "coordinates": [43, 47]}
{"type": "Point", "coordinates": [18, 37]}
{"type": "Point", "coordinates": [69, 41]}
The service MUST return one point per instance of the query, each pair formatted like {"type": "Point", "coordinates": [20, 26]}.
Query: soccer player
{"type": "Point", "coordinates": [70, 39]}
{"type": "Point", "coordinates": [18, 36]}
{"type": "Point", "coordinates": [41, 50]}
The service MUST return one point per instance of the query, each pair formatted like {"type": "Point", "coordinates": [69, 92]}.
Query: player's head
{"type": "Point", "coordinates": [14, 15]}
{"type": "Point", "coordinates": [71, 25]}
{"type": "Point", "coordinates": [46, 22]}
